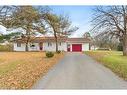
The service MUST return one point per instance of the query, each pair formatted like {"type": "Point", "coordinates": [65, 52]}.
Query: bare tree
{"type": "Point", "coordinates": [112, 20]}
{"type": "Point", "coordinates": [103, 40]}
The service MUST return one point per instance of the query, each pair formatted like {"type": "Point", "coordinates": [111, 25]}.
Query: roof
{"type": "Point", "coordinates": [78, 40]}
{"type": "Point", "coordinates": [52, 39]}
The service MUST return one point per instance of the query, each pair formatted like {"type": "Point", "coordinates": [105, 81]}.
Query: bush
{"type": "Point", "coordinates": [120, 47]}
{"type": "Point", "coordinates": [104, 49]}
{"type": "Point", "coordinates": [6, 47]}
{"type": "Point", "coordinates": [58, 51]}
{"type": "Point", "coordinates": [49, 54]}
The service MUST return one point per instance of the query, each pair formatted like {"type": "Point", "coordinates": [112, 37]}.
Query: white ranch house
{"type": "Point", "coordinates": [48, 44]}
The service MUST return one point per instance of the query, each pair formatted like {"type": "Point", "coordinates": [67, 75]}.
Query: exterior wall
{"type": "Point", "coordinates": [22, 48]}
{"type": "Point", "coordinates": [85, 46]}
{"type": "Point", "coordinates": [36, 48]}
{"type": "Point", "coordinates": [62, 47]}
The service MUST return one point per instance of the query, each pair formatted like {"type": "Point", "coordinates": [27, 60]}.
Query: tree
{"type": "Point", "coordinates": [120, 47]}
{"type": "Point", "coordinates": [103, 40]}
{"type": "Point", "coordinates": [59, 26]}
{"type": "Point", "coordinates": [112, 20]}
{"type": "Point", "coordinates": [86, 35]}
{"type": "Point", "coordinates": [9, 36]}
{"type": "Point", "coordinates": [5, 12]}
{"type": "Point", "coordinates": [28, 19]}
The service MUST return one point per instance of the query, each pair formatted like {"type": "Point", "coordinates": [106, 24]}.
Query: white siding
{"type": "Point", "coordinates": [36, 48]}
{"type": "Point", "coordinates": [22, 48]}
{"type": "Point", "coordinates": [85, 47]}
{"type": "Point", "coordinates": [63, 46]}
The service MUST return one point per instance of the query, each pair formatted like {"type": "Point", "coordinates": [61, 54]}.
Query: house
{"type": "Point", "coordinates": [48, 44]}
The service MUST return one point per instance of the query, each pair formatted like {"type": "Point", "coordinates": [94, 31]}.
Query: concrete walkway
{"type": "Point", "coordinates": [79, 71]}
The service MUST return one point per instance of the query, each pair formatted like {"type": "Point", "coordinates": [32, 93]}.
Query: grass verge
{"type": "Point", "coordinates": [111, 59]}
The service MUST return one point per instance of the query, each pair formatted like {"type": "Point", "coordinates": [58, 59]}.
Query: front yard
{"type": "Point", "coordinates": [113, 60]}
{"type": "Point", "coordinates": [20, 70]}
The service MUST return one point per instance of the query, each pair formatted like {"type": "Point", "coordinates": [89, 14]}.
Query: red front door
{"type": "Point", "coordinates": [68, 49]}
{"type": "Point", "coordinates": [76, 47]}
{"type": "Point", "coordinates": [41, 46]}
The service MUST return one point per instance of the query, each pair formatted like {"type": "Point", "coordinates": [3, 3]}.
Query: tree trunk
{"type": "Point", "coordinates": [26, 48]}
{"type": "Point", "coordinates": [56, 44]}
{"type": "Point", "coordinates": [125, 45]}
{"type": "Point", "coordinates": [27, 38]}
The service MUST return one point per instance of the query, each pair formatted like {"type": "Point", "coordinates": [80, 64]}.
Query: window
{"type": "Point", "coordinates": [49, 44]}
{"type": "Point", "coordinates": [32, 45]}
{"type": "Point", "coordinates": [18, 44]}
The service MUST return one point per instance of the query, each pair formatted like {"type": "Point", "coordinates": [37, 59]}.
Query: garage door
{"type": "Point", "coordinates": [76, 47]}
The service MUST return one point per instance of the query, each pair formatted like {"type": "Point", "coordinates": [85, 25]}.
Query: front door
{"type": "Point", "coordinates": [41, 46]}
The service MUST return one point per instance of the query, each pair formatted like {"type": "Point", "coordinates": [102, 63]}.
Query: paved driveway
{"type": "Point", "coordinates": [79, 71]}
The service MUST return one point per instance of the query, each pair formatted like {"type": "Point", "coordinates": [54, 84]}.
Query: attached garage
{"type": "Point", "coordinates": [78, 44]}
{"type": "Point", "coordinates": [76, 47]}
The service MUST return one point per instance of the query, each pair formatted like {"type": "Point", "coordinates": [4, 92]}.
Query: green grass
{"type": "Point", "coordinates": [113, 60]}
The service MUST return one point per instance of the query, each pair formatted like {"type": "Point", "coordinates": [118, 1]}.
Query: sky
{"type": "Point", "coordinates": [80, 16]}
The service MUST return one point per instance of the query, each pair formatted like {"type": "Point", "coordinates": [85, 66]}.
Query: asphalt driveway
{"type": "Point", "coordinates": [79, 71]}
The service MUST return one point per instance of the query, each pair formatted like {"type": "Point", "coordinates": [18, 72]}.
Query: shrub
{"type": "Point", "coordinates": [58, 51]}
{"type": "Point", "coordinates": [120, 47]}
{"type": "Point", "coordinates": [6, 47]}
{"type": "Point", "coordinates": [103, 49]}
{"type": "Point", "coordinates": [49, 54]}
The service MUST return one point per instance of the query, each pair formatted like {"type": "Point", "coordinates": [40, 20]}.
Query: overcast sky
{"type": "Point", "coordinates": [79, 15]}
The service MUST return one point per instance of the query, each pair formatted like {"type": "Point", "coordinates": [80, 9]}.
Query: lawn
{"type": "Point", "coordinates": [113, 60]}
{"type": "Point", "coordinates": [20, 70]}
